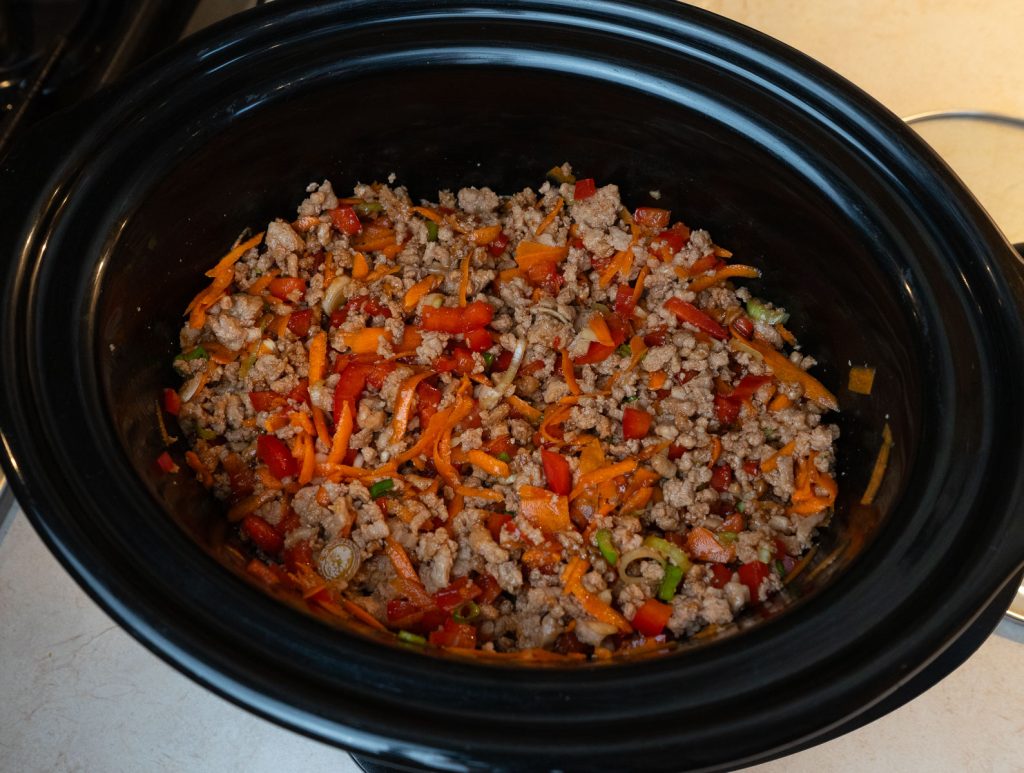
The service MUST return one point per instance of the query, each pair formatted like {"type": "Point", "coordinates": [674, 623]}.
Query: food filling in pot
{"type": "Point", "coordinates": [538, 424]}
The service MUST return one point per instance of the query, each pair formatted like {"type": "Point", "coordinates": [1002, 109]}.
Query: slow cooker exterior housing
{"type": "Point", "coordinates": [112, 214]}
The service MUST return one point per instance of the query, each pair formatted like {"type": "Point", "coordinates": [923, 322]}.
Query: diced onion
{"type": "Point", "coordinates": [636, 555]}
{"type": "Point", "coordinates": [339, 561]}
{"type": "Point", "coordinates": [555, 313]}
{"type": "Point", "coordinates": [491, 396]}
{"type": "Point", "coordinates": [188, 391]}
{"type": "Point", "coordinates": [334, 293]}
{"type": "Point", "coordinates": [433, 299]}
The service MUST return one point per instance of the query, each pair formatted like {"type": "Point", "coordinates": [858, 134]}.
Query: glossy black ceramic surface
{"type": "Point", "coordinates": [112, 212]}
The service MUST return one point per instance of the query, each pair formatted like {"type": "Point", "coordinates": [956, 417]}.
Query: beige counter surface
{"type": "Point", "coordinates": [78, 694]}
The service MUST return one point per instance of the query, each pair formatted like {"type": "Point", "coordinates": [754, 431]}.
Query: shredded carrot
{"type": "Point", "coordinates": [485, 235]}
{"type": "Point", "coordinates": [638, 288]}
{"type": "Point", "coordinates": [862, 380]}
{"type": "Point", "coordinates": [552, 418]}
{"type": "Point", "coordinates": [573, 571]}
{"type": "Point", "coordinates": [220, 353]}
{"type": "Point", "coordinates": [480, 493]}
{"type": "Point", "coordinates": [878, 471]}
{"type": "Point", "coordinates": [257, 287]}
{"type": "Point", "coordinates": [464, 282]}
{"type": "Point", "coordinates": [508, 274]}
{"type": "Point", "coordinates": [772, 461]}
{"type": "Point", "coordinates": [596, 608]}
{"type": "Point", "coordinates": [788, 337]}
{"type": "Point", "coordinates": [302, 421]}
{"type": "Point", "coordinates": [361, 614]}
{"type": "Point", "coordinates": [550, 217]}
{"type": "Point", "coordinates": [621, 263]}
{"type": "Point", "coordinates": [523, 408]}
{"type": "Point", "coordinates": [279, 325]}
{"type": "Point", "coordinates": [317, 357]}
{"type": "Point", "coordinates": [267, 478]}
{"type": "Point", "coordinates": [729, 272]}
{"type": "Point", "coordinates": [250, 504]}
{"type": "Point", "coordinates": [716, 450]}
{"type": "Point", "coordinates": [569, 372]}
{"type": "Point", "coordinates": [342, 433]}
{"type": "Point", "coordinates": [320, 423]}
{"type": "Point", "coordinates": [657, 379]}
{"type": "Point", "coordinates": [222, 275]}
{"type": "Point", "coordinates": [403, 404]}
{"type": "Point", "coordinates": [428, 213]}
{"type": "Point", "coordinates": [638, 349]}
{"type": "Point", "coordinates": [205, 476]}
{"type": "Point", "coordinates": [418, 290]}
{"type": "Point", "coordinates": [531, 253]}
{"type": "Point", "coordinates": [599, 327]}
{"type": "Point", "coordinates": [489, 464]}
{"type": "Point", "coordinates": [381, 272]}
{"type": "Point", "coordinates": [545, 509]}
{"type": "Point", "coordinates": [413, 587]}
{"type": "Point", "coordinates": [308, 460]}
{"type": "Point", "coordinates": [360, 267]}
{"type": "Point", "coordinates": [274, 422]}
{"type": "Point", "coordinates": [599, 476]}
{"type": "Point", "coordinates": [786, 371]}
{"type": "Point", "coordinates": [779, 402]}
{"type": "Point", "coordinates": [365, 341]}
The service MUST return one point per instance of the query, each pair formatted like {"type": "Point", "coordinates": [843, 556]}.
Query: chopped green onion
{"type": "Point", "coordinates": [411, 638]}
{"type": "Point", "coordinates": [604, 544]}
{"type": "Point", "coordinates": [206, 433]}
{"type": "Point", "coordinates": [558, 176]}
{"type": "Point", "coordinates": [727, 536]}
{"type": "Point", "coordinates": [488, 359]}
{"type": "Point", "coordinates": [431, 231]}
{"type": "Point", "coordinates": [759, 312]}
{"type": "Point", "coordinates": [366, 208]}
{"type": "Point", "coordinates": [764, 555]}
{"type": "Point", "coordinates": [741, 506]}
{"type": "Point", "coordinates": [381, 487]}
{"type": "Point", "coordinates": [246, 366]}
{"type": "Point", "coordinates": [504, 456]}
{"type": "Point", "coordinates": [673, 576]}
{"type": "Point", "coordinates": [631, 399]}
{"type": "Point", "coordinates": [674, 553]}
{"type": "Point", "coordinates": [780, 568]}
{"type": "Point", "coordinates": [198, 353]}
{"type": "Point", "coordinates": [466, 611]}
{"type": "Point", "coordinates": [624, 351]}
{"type": "Point", "coordinates": [769, 433]}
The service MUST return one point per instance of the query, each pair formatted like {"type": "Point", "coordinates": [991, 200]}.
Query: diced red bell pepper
{"type": "Point", "coordinates": [479, 340]}
{"type": "Point", "coordinates": [652, 617]}
{"type": "Point", "coordinates": [504, 360]}
{"type": "Point", "coordinates": [263, 534]}
{"type": "Point", "coordinates": [685, 376]}
{"type": "Point", "coordinates": [557, 472]}
{"type": "Point", "coordinates": [428, 397]}
{"type": "Point", "coordinates": [734, 523]}
{"type": "Point", "coordinates": [453, 634]}
{"type": "Point", "coordinates": [748, 385]}
{"type": "Point", "coordinates": [299, 554]}
{"type": "Point", "coordinates": [283, 286]}
{"type": "Point", "coordinates": [346, 220]}
{"type": "Point", "coordinates": [460, 360]}
{"type": "Point", "coordinates": [403, 613]}
{"type": "Point", "coordinates": [377, 372]}
{"type": "Point", "coordinates": [166, 463]}
{"type": "Point", "coordinates": [656, 337]}
{"type": "Point", "coordinates": [726, 410]}
{"type": "Point", "coordinates": [721, 574]}
{"type": "Point", "coordinates": [721, 477]}
{"type": "Point", "coordinates": [496, 522]}
{"type": "Point", "coordinates": [172, 402]}
{"type": "Point", "coordinates": [687, 312]}
{"type": "Point", "coordinates": [618, 328]}
{"type": "Point", "coordinates": [675, 237]}
{"type": "Point", "coordinates": [299, 322]}
{"type": "Point", "coordinates": [350, 387]}
{"type": "Point", "coordinates": [752, 574]}
{"type": "Point", "coordinates": [265, 400]}
{"type": "Point", "coordinates": [458, 319]}
{"type": "Point", "coordinates": [595, 353]}
{"type": "Point", "coordinates": [624, 301]}
{"type": "Point", "coordinates": [338, 317]}
{"type": "Point", "coordinates": [300, 392]}
{"type": "Point", "coordinates": [744, 326]}
{"type": "Point", "coordinates": [545, 274]}
{"type": "Point", "coordinates": [502, 444]}
{"type": "Point", "coordinates": [489, 588]}
{"type": "Point", "coordinates": [497, 245]}
{"type": "Point", "coordinates": [458, 592]}
{"type": "Point", "coordinates": [652, 217]}
{"type": "Point", "coordinates": [635, 423]}
{"type": "Point", "coordinates": [752, 468]}
{"type": "Point", "coordinates": [275, 454]}
{"type": "Point", "coordinates": [363, 303]}
{"type": "Point", "coordinates": [584, 189]}
{"type": "Point", "coordinates": [676, 452]}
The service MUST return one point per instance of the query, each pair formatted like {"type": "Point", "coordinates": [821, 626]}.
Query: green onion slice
{"type": "Point", "coordinates": [381, 487]}
{"type": "Point", "coordinates": [670, 582]}
{"type": "Point", "coordinates": [604, 544]}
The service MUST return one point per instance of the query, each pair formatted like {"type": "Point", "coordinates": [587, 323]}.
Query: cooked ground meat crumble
{"type": "Point", "coordinates": [536, 424]}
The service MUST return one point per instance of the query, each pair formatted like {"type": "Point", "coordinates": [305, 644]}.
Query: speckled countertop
{"type": "Point", "coordinates": [78, 694]}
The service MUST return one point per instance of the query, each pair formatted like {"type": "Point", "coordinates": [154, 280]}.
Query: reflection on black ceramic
{"type": "Point", "coordinates": [865, 237]}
